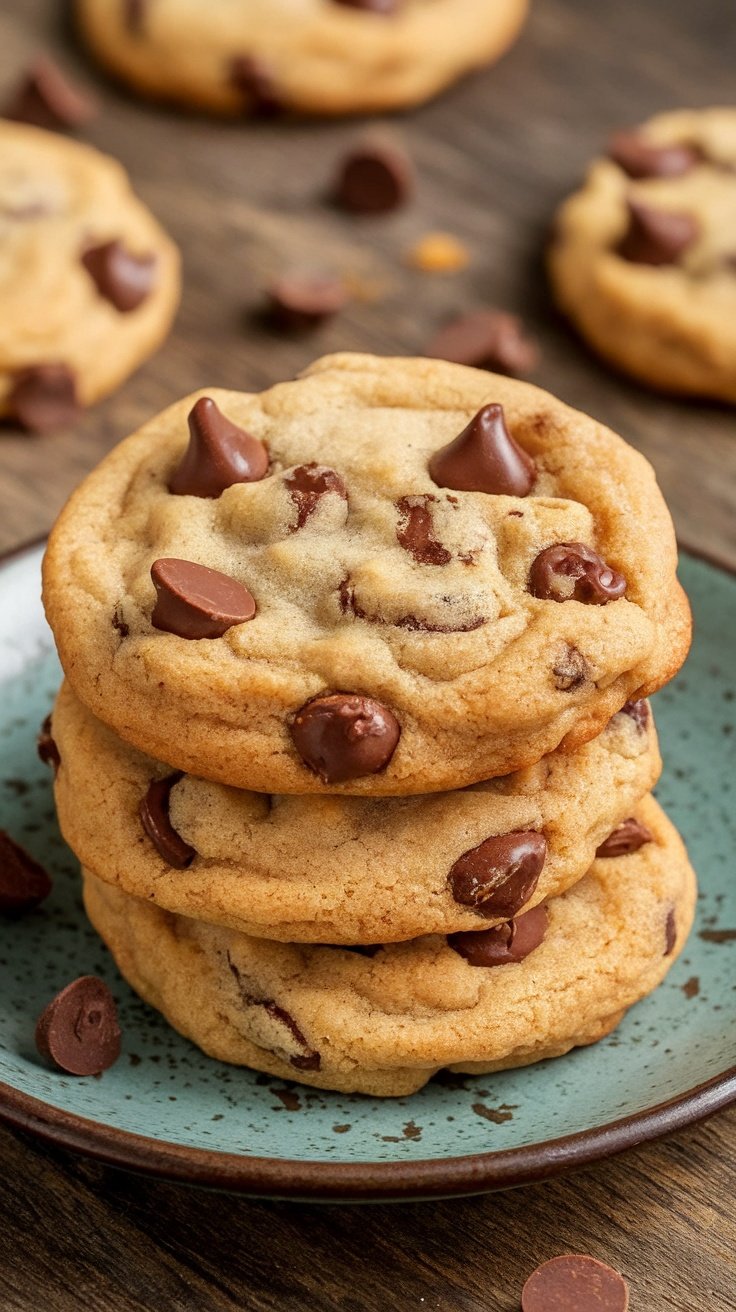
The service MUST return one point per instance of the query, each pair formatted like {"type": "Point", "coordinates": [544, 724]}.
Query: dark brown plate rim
{"type": "Point", "coordinates": [446, 1177]}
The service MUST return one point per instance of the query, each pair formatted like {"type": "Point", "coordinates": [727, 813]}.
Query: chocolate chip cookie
{"type": "Point", "coordinates": [347, 869]}
{"type": "Point", "coordinates": [89, 281]}
{"type": "Point", "coordinates": [386, 577]}
{"type": "Point", "coordinates": [384, 1020]}
{"type": "Point", "coordinates": [318, 56]}
{"type": "Point", "coordinates": [643, 258]}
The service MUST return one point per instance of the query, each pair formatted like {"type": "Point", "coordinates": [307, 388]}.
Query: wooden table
{"type": "Point", "coordinates": [494, 157]}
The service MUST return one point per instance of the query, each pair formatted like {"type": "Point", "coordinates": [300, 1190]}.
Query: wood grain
{"type": "Point", "coordinates": [494, 157]}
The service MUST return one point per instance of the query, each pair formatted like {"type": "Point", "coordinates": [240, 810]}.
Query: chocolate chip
{"type": "Point", "coordinates": [47, 99]}
{"type": "Point", "coordinates": [656, 236]}
{"type": "Point", "coordinates": [642, 159]}
{"type": "Point", "coordinates": [299, 302]}
{"type": "Point", "coordinates": [570, 571]}
{"type": "Point", "coordinates": [638, 711]}
{"type": "Point", "coordinates": [307, 485]}
{"type": "Point", "coordinates": [254, 81]}
{"type": "Point", "coordinates": [374, 178]}
{"type": "Point", "coordinates": [44, 397]}
{"type": "Point", "coordinates": [119, 624]}
{"type": "Point", "coordinates": [219, 454]}
{"type": "Point", "coordinates": [193, 601]}
{"type": "Point", "coordinates": [46, 747]}
{"type": "Point", "coordinates": [486, 339]}
{"type": "Point", "coordinates": [628, 837]}
{"type": "Point", "coordinates": [78, 1031]}
{"type": "Point", "coordinates": [412, 622]}
{"type": "Point", "coordinates": [570, 670]}
{"type": "Point", "coordinates": [372, 6]}
{"type": "Point", "coordinates": [484, 458]}
{"type": "Point", "coordinates": [504, 944]}
{"type": "Point", "coordinates": [343, 735]}
{"type": "Point", "coordinates": [154, 814]}
{"type": "Point", "coordinates": [309, 1059]}
{"type": "Point", "coordinates": [670, 932]}
{"type": "Point", "coordinates": [122, 278]}
{"type": "Point", "coordinates": [416, 533]}
{"type": "Point", "coordinates": [575, 1283]}
{"type": "Point", "coordinates": [23, 882]}
{"type": "Point", "coordinates": [499, 876]}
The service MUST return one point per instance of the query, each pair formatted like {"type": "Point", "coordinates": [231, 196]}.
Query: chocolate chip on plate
{"type": "Point", "coordinates": [504, 944]}
{"type": "Point", "coordinates": [628, 837]}
{"type": "Point", "coordinates": [43, 397]}
{"type": "Point", "coordinates": [307, 485]}
{"type": "Point", "coordinates": [193, 601]}
{"type": "Point", "coordinates": [121, 277]}
{"type": "Point", "coordinates": [570, 571]}
{"type": "Point", "coordinates": [299, 302]}
{"type": "Point", "coordinates": [498, 876]}
{"type": "Point", "coordinates": [343, 735]}
{"type": "Point", "coordinates": [219, 454]}
{"type": "Point", "coordinates": [154, 814]}
{"type": "Point", "coordinates": [484, 458]}
{"type": "Point", "coordinates": [575, 1283]}
{"type": "Point", "coordinates": [486, 339]}
{"type": "Point", "coordinates": [47, 99]}
{"type": "Point", "coordinates": [375, 177]}
{"type": "Point", "coordinates": [655, 236]}
{"type": "Point", "coordinates": [640, 158]}
{"type": "Point", "coordinates": [23, 882]}
{"type": "Point", "coordinates": [78, 1031]}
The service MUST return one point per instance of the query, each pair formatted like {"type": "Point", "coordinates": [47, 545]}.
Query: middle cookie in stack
{"type": "Point", "coordinates": [341, 599]}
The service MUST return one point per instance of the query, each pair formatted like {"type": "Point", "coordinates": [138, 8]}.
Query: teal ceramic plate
{"type": "Point", "coordinates": [167, 1110]}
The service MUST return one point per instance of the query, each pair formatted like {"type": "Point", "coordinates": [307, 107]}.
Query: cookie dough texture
{"type": "Point", "coordinates": [58, 199]}
{"type": "Point", "coordinates": [527, 675]}
{"type": "Point", "coordinates": [336, 869]}
{"type": "Point", "coordinates": [385, 1024]}
{"type": "Point", "coordinates": [310, 56]}
{"type": "Point", "coordinates": [672, 326]}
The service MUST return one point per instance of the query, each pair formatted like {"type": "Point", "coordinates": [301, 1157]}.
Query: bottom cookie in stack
{"type": "Point", "coordinates": [383, 1020]}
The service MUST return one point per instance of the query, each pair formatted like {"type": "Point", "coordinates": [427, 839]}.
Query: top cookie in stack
{"type": "Point", "coordinates": [387, 577]}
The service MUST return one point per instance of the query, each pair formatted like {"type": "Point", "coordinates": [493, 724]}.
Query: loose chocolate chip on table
{"type": "Point", "coordinates": [655, 236]}
{"type": "Point", "coordinates": [637, 711]}
{"type": "Point", "coordinates": [416, 531]}
{"type": "Point", "coordinates": [504, 944]}
{"type": "Point", "coordinates": [46, 747]}
{"type": "Point", "coordinates": [343, 735]}
{"type": "Point", "coordinates": [23, 882]}
{"type": "Point", "coordinates": [575, 1283]}
{"type": "Point", "coordinates": [193, 601]}
{"type": "Point", "coordinates": [570, 670]}
{"type": "Point", "coordinates": [570, 571]}
{"type": "Point", "coordinates": [44, 397]}
{"type": "Point", "coordinates": [374, 178]}
{"type": "Point", "coordinates": [219, 454]}
{"type": "Point", "coordinates": [254, 81]}
{"type": "Point", "coordinates": [486, 339]}
{"type": "Point", "coordinates": [628, 837]}
{"type": "Point", "coordinates": [307, 485]}
{"type": "Point", "coordinates": [124, 279]}
{"type": "Point", "coordinates": [670, 932]}
{"type": "Point", "coordinates": [298, 302]}
{"type": "Point", "coordinates": [47, 99]}
{"type": "Point", "coordinates": [642, 159]}
{"type": "Point", "coordinates": [78, 1032]}
{"type": "Point", "coordinates": [154, 814]}
{"type": "Point", "coordinates": [484, 458]}
{"type": "Point", "coordinates": [498, 876]}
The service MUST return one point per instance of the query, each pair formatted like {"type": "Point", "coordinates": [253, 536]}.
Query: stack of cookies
{"type": "Point", "coordinates": [353, 746]}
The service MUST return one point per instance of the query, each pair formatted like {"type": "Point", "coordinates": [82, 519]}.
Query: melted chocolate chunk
{"type": "Point", "coordinates": [78, 1031]}
{"type": "Point", "coordinates": [374, 178]}
{"type": "Point", "coordinates": [412, 622]}
{"type": "Point", "coordinates": [307, 485]}
{"type": "Point", "coordinates": [193, 601]}
{"type": "Point", "coordinates": [642, 159]}
{"type": "Point", "coordinates": [124, 279]}
{"type": "Point", "coordinates": [570, 571]}
{"type": "Point", "coordinates": [47, 99]}
{"type": "Point", "coordinates": [484, 458]}
{"type": "Point", "coordinates": [638, 711]}
{"type": "Point", "coordinates": [499, 876]}
{"type": "Point", "coordinates": [44, 397]}
{"type": "Point", "coordinates": [46, 747]}
{"type": "Point", "coordinates": [415, 531]}
{"type": "Point", "coordinates": [344, 735]}
{"type": "Point", "coordinates": [255, 82]}
{"type": "Point", "coordinates": [219, 454]}
{"type": "Point", "coordinates": [382, 7]}
{"type": "Point", "coordinates": [24, 884]}
{"type": "Point", "coordinates": [154, 814]}
{"type": "Point", "coordinates": [670, 932]}
{"type": "Point", "coordinates": [307, 1060]}
{"type": "Point", "coordinates": [655, 236]}
{"type": "Point", "coordinates": [570, 670]}
{"type": "Point", "coordinates": [628, 837]}
{"type": "Point", "coordinates": [486, 339]}
{"type": "Point", "coordinates": [504, 944]}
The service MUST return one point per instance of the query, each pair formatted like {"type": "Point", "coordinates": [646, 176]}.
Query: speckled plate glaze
{"type": "Point", "coordinates": [167, 1110]}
